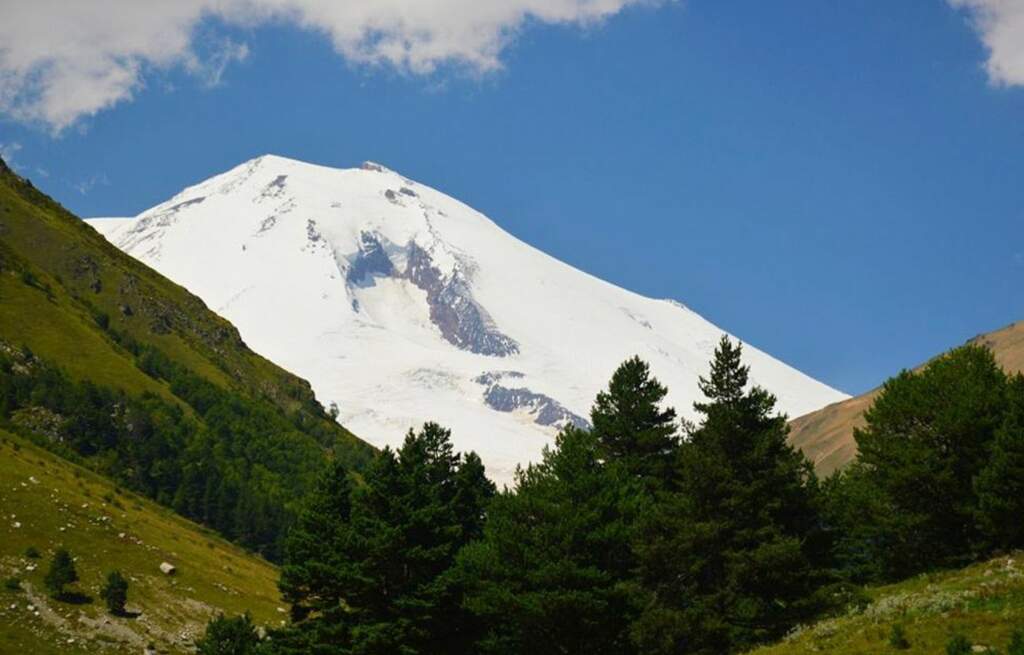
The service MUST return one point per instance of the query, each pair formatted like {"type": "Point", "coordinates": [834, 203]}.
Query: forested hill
{"type": "Point", "coordinates": [106, 360]}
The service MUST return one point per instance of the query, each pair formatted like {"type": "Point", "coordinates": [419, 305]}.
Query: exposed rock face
{"type": "Point", "coordinates": [275, 189]}
{"type": "Point", "coordinates": [86, 267]}
{"type": "Point", "coordinates": [453, 310]}
{"type": "Point", "coordinates": [461, 320]}
{"type": "Point", "coordinates": [181, 205]}
{"type": "Point", "coordinates": [147, 231]}
{"type": "Point", "coordinates": [544, 409]}
{"type": "Point", "coordinates": [370, 261]}
{"type": "Point", "coordinates": [41, 421]}
{"type": "Point", "coordinates": [312, 233]}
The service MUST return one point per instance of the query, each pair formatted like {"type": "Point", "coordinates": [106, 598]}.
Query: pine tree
{"type": "Point", "coordinates": [61, 573]}
{"type": "Point", "coordinates": [735, 556]}
{"type": "Point", "coordinates": [549, 574]}
{"type": "Point", "coordinates": [927, 437]}
{"type": "Point", "coordinates": [859, 517]}
{"type": "Point", "coordinates": [115, 592]}
{"type": "Point", "coordinates": [472, 497]}
{"type": "Point", "coordinates": [366, 568]}
{"type": "Point", "coordinates": [631, 426]}
{"type": "Point", "coordinates": [1000, 484]}
{"type": "Point", "coordinates": [315, 564]}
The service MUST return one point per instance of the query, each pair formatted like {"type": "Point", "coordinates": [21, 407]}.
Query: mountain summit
{"type": "Point", "coordinates": [400, 304]}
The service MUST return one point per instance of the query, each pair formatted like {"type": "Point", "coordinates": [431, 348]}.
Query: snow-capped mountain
{"type": "Point", "coordinates": [400, 304]}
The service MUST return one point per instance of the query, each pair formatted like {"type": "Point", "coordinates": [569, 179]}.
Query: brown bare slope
{"type": "Point", "coordinates": [826, 436]}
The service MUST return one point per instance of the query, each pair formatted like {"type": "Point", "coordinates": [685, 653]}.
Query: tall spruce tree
{"type": "Point", "coordinates": [735, 556]}
{"type": "Point", "coordinates": [548, 575]}
{"type": "Point", "coordinates": [368, 568]}
{"type": "Point", "coordinates": [632, 427]}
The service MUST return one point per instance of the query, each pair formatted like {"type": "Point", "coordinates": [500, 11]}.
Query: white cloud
{"type": "Point", "coordinates": [8, 151]}
{"type": "Point", "coordinates": [91, 182]}
{"type": "Point", "coordinates": [1000, 24]}
{"type": "Point", "coordinates": [210, 69]}
{"type": "Point", "coordinates": [60, 61]}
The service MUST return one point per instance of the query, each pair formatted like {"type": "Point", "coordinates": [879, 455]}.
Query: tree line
{"type": "Point", "coordinates": [646, 534]}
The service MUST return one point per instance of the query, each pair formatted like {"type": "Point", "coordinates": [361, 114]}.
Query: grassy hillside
{"type": "Point", "coordinates": [59, 276]}
{"type": "Point", "coordinates": [105, 361]}
{"type": "Point", "coordinates": [46, 503]}
{"type": "Point", "coordinates": [826, 436]}
{"type": "Point", "coordinates": [984, 602]}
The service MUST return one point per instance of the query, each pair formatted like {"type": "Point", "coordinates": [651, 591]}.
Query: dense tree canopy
{"type": "Point", "coordinates": [999, 485]}
{"type": "Point", "coordinates": [736, 555]}
{"type": "Point", "coordinates": [367, 567]}
{"type": "Point", "coordinates": [928, 453]}
{"type": "Point", "coordinates": [548, 575]}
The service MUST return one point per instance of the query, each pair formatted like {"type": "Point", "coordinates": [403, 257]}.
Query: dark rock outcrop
{"type": "Point", "coordinates": [544, 409]}
{"type": "Point", "coordinates": [461, 320]}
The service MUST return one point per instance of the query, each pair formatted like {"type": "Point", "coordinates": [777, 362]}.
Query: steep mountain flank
{"type": "Point", "coordinates": [106, 361]}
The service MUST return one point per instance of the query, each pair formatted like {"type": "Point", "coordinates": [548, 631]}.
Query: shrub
{"type": "Point", "coordinates": [958, 645]}
{"type": "Point", "coordinates": [28, 278]}
{"type": "Point", "coordinates": [226, 636]}
{"type": "Point", "coordinates": [12, 584]}
{"type": "Point", "coordinates": [32, 552]}
{"type": "Point", "coordinates": [898, 637]}
{"type": "Point", "coordinates": [62, 573]}
{"type": "Point", "coordinates": [1016, 646]}
{"type": "Point", "coordinates": [115, 592]}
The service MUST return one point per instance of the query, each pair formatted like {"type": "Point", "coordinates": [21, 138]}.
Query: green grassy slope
{"type": "Point", "coordinates": [984, 602]}
{"type": "Point", "coordinates": [233, 440]}
{"type": "Point", "coordinates": [47, 502]}
{"type": "Point", "coordinates": [76, 276]}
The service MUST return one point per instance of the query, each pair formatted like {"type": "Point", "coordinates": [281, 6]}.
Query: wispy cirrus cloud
{"type": "Point", "coordinates": [8, 152]}
{"type": "Point", "coordinates": [88, 184]}
{"type": "Point", "coordinates": [61, 61]}
{"type": "Point", "coordinates": [1000, 25]}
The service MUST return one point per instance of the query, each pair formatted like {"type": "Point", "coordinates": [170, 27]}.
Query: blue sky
{"type": "Point", "coordinates": [840, 184]}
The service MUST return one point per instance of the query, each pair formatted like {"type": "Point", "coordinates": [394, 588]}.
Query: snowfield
{"type": "Point", "coordinates": [400, 304]}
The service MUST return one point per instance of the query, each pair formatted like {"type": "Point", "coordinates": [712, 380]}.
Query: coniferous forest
{"type": "Point", "coordinates": [646, 534]}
